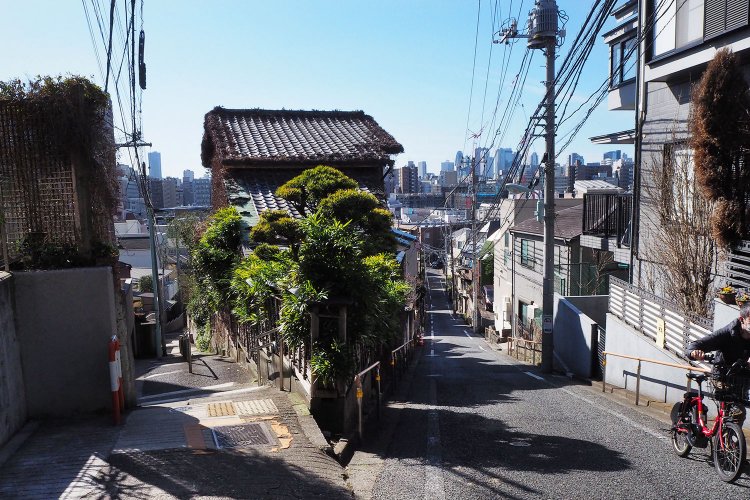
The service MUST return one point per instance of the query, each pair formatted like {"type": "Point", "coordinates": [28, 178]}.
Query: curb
{"type": "Point", "coordinates": [308, 424]}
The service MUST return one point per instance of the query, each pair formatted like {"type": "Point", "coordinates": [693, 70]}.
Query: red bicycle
{"type": "Point", "coordinates": [690, 420]}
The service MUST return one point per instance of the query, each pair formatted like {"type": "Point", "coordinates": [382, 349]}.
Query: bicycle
{"type": "Point", "coordinates": [690, 420]}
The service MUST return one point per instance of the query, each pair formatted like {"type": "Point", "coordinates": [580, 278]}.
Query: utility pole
{"type": "Point", "coordinates": [474, 254]}
{"type": "Point", "coordinates": [548, 289]}
{"type": "Point", "coordinates": [543, 32]}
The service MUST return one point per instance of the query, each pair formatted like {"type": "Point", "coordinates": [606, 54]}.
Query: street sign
{"type": "Point", "coordinates": [547, 324]}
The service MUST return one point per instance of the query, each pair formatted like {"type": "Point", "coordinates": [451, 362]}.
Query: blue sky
{"type": "Point", "coordinates": [408, 63]}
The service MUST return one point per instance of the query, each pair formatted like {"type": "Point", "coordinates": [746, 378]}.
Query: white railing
{"type": "Point", "coordinates": [645, 311]}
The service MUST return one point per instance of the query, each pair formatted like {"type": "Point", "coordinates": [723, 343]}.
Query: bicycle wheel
{"type": "Point", "coordinates": [729, 452]}
{"type": "Point", "coordinates": [680, 442]}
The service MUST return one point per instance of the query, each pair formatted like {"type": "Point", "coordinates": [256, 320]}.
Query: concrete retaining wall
{"type": "Point", "coordinates": [64, 320]}
{"type": "Point", "coordinates": [12, 392]}
{"type": "Point", "coordinates": [575, 338]}
{"type": "Point", "coordinates": [658, 382]}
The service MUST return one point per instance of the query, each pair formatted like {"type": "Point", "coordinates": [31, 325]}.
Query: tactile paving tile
{"type": "Point", "coordinates": [241, 436]}
{"type": "Point", "coordinates": [221, 409]}
{"type": "Point", "coordinates": [256, 407]}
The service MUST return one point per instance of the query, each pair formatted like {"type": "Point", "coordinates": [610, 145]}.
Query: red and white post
{"type": "Point", "coordinates": [115, 378]}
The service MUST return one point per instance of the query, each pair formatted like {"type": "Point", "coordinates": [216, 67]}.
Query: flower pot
{"type": "Point", "coordinates": [741, 303]}
{"type": "Point", "coordinates": [727, 298]}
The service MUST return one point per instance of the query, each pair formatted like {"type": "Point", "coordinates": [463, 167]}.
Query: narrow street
{"type": "Point", "coordinates": [479, 424]}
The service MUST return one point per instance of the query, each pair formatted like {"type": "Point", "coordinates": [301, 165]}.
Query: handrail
{"type": "Point", "coordinates": [689, 368]}
{"type": "Point", "coordinates": [394, 356]}
{"type": "Point", "coordinates": [360, 392]}
{"type": "Point", "coordinates": [401, 347]}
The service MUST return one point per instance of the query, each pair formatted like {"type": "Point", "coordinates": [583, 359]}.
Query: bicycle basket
{"type": "Point", "coordinates": [731, 386]}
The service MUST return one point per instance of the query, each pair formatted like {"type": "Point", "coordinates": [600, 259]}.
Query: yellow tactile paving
{"type": "Point", "coordinates": [221, 409]}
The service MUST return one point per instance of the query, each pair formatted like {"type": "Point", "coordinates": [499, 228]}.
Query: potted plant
{"type": "Point", "coordinates": [727, 294]}
{"type": "Point", "coordinates": [742, 297]}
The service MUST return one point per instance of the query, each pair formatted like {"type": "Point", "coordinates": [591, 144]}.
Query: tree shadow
{"type": "Point", "coordinates": [214, 473]}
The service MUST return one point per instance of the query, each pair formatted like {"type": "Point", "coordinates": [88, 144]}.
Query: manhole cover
{"type": "Point", "coordinates": [241, 436]}
{"type": "Point", "coordinates": [256, 407]}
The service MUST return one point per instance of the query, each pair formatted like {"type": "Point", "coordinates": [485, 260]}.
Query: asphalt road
{"type": "Point", "coordinates": [478, 424]}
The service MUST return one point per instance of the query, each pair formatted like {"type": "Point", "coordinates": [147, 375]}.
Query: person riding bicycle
{"type": "Point", "coordinates": [731, 341]}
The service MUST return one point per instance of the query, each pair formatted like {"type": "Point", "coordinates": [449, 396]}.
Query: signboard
{"type": "Point", "coordinates": [547, 324]}
{"type": "Point", "coordinates": [661, 333]}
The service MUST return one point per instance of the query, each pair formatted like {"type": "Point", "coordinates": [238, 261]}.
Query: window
{"type": "Point", "coordinates": [679, 167]}
{"type": "Point", "coordinates": [527, 254]}
{"type": "Point", "coordinates": [677, 23]}
{"type": "Point", "coordinates": [623, 61]}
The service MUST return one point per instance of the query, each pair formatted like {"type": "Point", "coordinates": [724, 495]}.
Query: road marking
{"type": "Point", "coordinates": [467, 334]}
{"type": "Point", "coordinates": [160, 374]}
{"type": "Point", "coordinates": [618, 415]}
{"type": "Point", "coordinates": [434, 487]}
{"type": "Point", "coordinates": [482, 348]}
{"type": "Point", "coordinates": [614, 413]}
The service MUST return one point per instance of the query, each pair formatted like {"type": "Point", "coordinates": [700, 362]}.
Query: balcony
{"type": "Point", "coordinates": [606, 223]}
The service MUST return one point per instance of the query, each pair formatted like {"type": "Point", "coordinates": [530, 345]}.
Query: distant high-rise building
{"type": "Point", "coordinates": [187, 187]}
{"type": "Point", "coordinates": [612, 155]}
{"type": "Point", "coordinates": [170, 188]}
{"type": "Point", "coordinates": [448, 178]}
{"type": "Point", "coordinates": [422, 165]}
{"type": "Point", "coordinates": [156, 193]}
{"type": "Point", "coordinates": [480, 161]}
{"type": "Point", "coordinates": [575, 159]}
{"type": "Point", "coordinates": [503, 161]}
{"type": "Point", "coordinates": [534, 160]}
{"type": "Point", "coordinates": [408, 178]}
{"type": "Point", "coordinates": [447, 166]}
{"type": "Point", "coordinates": [202, 192]}
{"type": "Point", "coordinates": [459, 163]}
{"type": "Point", "coordinates": [154, 165]}
{"type": "Point", "coordinates": [390, 180]}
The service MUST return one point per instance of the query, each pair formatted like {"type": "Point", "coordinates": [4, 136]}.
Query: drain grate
{"type": "Point", "coordinates": [256, 407]}
{"type": "Point", "coordinates": [242, 436]}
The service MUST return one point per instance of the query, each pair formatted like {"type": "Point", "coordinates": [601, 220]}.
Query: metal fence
{"type": "Point", "coordinates": [650, 314]}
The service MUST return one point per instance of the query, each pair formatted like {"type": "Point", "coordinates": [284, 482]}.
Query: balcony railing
{"type": "Point", "coordinates": [608, 216]}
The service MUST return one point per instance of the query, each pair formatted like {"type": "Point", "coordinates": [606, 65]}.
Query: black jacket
{"type": "Point", "coordinates": [727, 340]}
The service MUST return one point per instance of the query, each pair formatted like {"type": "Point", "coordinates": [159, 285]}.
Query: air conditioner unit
{"type": "Point", "coordinates": [506, 315]}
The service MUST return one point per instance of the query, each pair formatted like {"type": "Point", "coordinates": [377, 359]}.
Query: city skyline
{"type": "Point", "coordinates": [417, 75]}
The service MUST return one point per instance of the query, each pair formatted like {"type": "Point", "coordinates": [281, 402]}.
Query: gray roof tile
{"type": "Point", "coordinates": [254, 137]}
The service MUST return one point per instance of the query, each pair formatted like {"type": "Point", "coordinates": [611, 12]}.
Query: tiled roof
{"type": "Point", "coordinates": [568, 224]}
{"type": "Point", "coordinates": [254, 137]}
{"type": "Point", "coordinates": [253, 192]}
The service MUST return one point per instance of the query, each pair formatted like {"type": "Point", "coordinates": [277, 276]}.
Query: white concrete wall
{"type": "Point", "coordinates": [574, 337]}
{"type": "Point", "coordinates": [658, 382]}
{"type": "Point", "coordinates": [12, 392]}
{"type": "Point", "coordinates": [64, 320]}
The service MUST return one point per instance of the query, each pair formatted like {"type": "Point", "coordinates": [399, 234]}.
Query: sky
{"type": "Point", "coordinates": [425, 70]}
